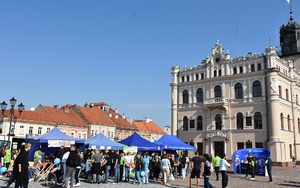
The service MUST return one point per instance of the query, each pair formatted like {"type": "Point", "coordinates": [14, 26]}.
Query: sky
{"type": "Point", "coordinates": [122, 51]}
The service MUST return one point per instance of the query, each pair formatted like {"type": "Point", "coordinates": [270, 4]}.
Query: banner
{"type": "Point", "coordinates": [59, 143]}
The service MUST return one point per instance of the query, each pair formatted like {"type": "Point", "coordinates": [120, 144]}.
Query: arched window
{"type": "Point", "coordinates": [215, 73]}
{"type": "Point", "coordinates": [282, 121]}
{"type": "Point", "coordinates": [252, 68]}
{"type": "Point", "coordinates": [218, 91]}
{"type": "Point", "coordinates": [199, 123]}
{"type": "Point", "coordinates": [185, 123]}
{"type": "Point", "coordinates": [218, 122]}
{"type": "Point", "coordinates": [238, 90]}
{"type": "Point", "coordinates": [241, 70]}
{"type": "Point", "coordinates": [240, 121]}
{"type": "Point", "coordinates": [257, 120]}
{"type": "Point", "coordinates": [289, 122]}
{"type": "Point", "coordinates": [256, 89]}
{"type": "Point", "coordinates": [187, 78]}
{"type": "Point", "coordinates": [259, 67]}
{"type": "Point", "coordinates": [220, 72]}
{"type": "Point", "coordinates": [234, 70]}
{"type": "Point", "coordinates": [185, 97]}
{"type": "Point", "coordinates": [199, 95]}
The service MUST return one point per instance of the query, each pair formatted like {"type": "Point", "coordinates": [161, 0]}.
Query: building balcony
{"type": "Point", "coordinates": [216, 103]}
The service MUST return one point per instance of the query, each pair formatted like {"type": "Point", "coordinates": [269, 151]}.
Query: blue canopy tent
{"type": "Point", "coordinates": [42, 140]}
{"type": "Point", "coordinates": [171, 142]}
{"type": "Point", "coordinates": [141, 143]}
{"type": "Point", "coordinates": [102, 142]}
{"type": "Point", "coordinates": [239, 157]}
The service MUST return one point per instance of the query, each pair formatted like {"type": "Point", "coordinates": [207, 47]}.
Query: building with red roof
{"type": "Point", "coordinates": [149, 129]}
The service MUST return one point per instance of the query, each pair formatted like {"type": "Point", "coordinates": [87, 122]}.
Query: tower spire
{"type": "Point", "coordinates": [291, 9]}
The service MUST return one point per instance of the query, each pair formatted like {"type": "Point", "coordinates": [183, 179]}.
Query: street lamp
{"type": "Point", "coordinates": [11, 114]}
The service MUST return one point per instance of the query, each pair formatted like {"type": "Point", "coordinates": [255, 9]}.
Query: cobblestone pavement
{"type": "Point", "coordinates": [283, 177]}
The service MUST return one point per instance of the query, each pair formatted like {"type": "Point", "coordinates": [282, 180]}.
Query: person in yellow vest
{"type": "Point", "coordinates": [216, 162]}
{"type": "Point", "coordinates": [7, 156]}
{"type": "Point", "coordinates": [252, 167]}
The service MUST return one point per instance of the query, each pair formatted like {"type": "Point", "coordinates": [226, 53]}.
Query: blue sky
{"type": "Point", "coordinates": [122, 51]}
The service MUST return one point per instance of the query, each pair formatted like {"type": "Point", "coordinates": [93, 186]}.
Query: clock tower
{"type": "Point", "coordinates": [290, 38]}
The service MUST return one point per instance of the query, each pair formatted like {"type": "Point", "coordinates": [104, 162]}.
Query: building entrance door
{"type": "Point", "coordinates": [219, 148]}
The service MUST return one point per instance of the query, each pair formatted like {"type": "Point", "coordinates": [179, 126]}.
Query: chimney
{"type": "Point", "coordinates": [148, 120]}
{"type": "Point", "coordinates": [56, 107]}
{"type": "Point", "coordinates": [130, 120]}
{"type": "Point", "coordinates": [116, 116]}
{"type": "Point", "coordinates": [66, 109]}
{"type": "Point", "coordinates": [116, 110]}
{"type": "Point", "coordinates": [123, 116]}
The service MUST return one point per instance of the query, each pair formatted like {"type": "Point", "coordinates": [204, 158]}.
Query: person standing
{"type": "Point", "coordinates": [196, 169]}
{"type": "Point", "coordinates": [7, 156]}
{"type": "Point", "coordinates": [184, 165]}
{"type": "Point", "coordinates": [252, 167]}
{"type": "Point", "coordinates": [166, 169]}
{"type": "Point", "coordinates": [127, 165]}
{"type": "Point", "coordinates": [138, 161]}
{"type": "Point", "coordinates": [206, 172]}
{"type": "Point", "coordinates": [22, 165]}
{"type": "Point", "coordinates": [216, 162]}
{"type": "Point", "coordinates": [122, 166]}
{"type": "Point", "coordinates": [72, 162]}
{"type": "Point", "coordinates": [146, 162]}
{"type": "Point", "coordinates": [106, 166]}
{"type": "Point", "coordinates": [269, 168]}
{"type": "Point", "coordinates": [223, 168]}
{"type": "Point", "coordinates": [294, 160]}
{"type": "Point", "coordinates": [96, 167]}
{"type": "Point", "coordinates": [116, 165]}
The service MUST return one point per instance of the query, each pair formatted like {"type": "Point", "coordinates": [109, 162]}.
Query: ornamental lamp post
{"type": "Point", "coordinates": [11, 112]}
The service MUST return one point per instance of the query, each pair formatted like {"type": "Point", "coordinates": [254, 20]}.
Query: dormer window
{"type": "Point", "coordinates": [105, 108]}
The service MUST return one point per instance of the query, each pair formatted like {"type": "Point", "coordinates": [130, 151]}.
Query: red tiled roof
{"type": "Point", "coordinates": [148, 126]}
{"type": "Point", "coordinates": [62, 117]}
{"type": "Point", "coordinates": [95, 115]}
{"type": "Point", "coordinates": [120, 121]}
{"type": "Point", "coordinates": [31, 116]}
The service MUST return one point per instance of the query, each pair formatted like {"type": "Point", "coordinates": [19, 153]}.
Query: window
{"type": "Point", "coordinates": [257, 90]}
{"type": "Point", "coordinates": [202, 76]}
{"type": "Point", "coordinates": [248, 121]}
{"type": "Point", "coordinates": [259, 145]}
{"type": "Point", "coordinates": [48, 129]}
{"type": "Point", "coordinates": [280, 91]}
{"type": "Point", "coordinates": [21, 131]}
{"type": "Point", "coordinates": [197, 76]}
{"type": "Point", "coordinates": [234, 70]}
{"type": "Point", "coordinates": [215, 73]}
{"type": "Point", "coordinates": [218, 122]}
{"type": "Point", "coordinates": [192, 124]}
{"type": "Point", "coordinates": [240, 121]}
{"type": "Point", "coordinates": [287, 94]}
{"type": "Point", "coordinates": [282, 121]}
{"type": "Point", "coordinates": [240, 145]}
{"type": "Point", "coordinates": [185, 97]}
{"type": "Point", "coordinates": [199, 95]}
{"type": "Point", "coordinates": [200, 148]}
{"type": "Point", "coordinates": [238, 90]}
{"type": "Point", "coordinates": [187, 78]}
{"type": "Point", "coordinates": [218, 91]}
{"type": "Point", "coordinates": [257, 120]}
{"type": "Point", "coordinates": [248, 144]}
{"type": "Point", "coordinates": [289, 122]}
{"type": "Point", "coordinates": [241, 70]}
{"type": "Point", "coordinates": [199, 123]}
{"type": "Point", "coordinates": [298, 125]}
{"type": "Point", "coordinates": [72, 133]}
{"type": "Point", "coordinates": [84, 136]}
{"type": "Point", "coordinates": [30, 130]}
{"type": "Point", "coordinates": [79, 135]}
{"type": "Point", "coordinates": [93, 134]}
{"type": "Point", "coordinates": [259, 67]}
{"type": "Point", "coordinates": [182, 79]}
{"type": "Point", "coordinates": [291, 151]}
{"type": "Point", "coordinates": [252, 68]}
{"type": "Point", "coordinates": [220, 72]}
{"type": "Point", "coordinates": [297, 100]}
{"type": "Point", "coordinates": [185, 123]}
{"type": "Point", "coordinates": [40, 130]}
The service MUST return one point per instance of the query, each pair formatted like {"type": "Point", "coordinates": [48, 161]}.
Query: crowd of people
{"type": "Point", "coordinates": [70, 165]}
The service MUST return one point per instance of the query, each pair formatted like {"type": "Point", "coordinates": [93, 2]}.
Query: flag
{"type": "Point", "coordinates": [289, 1]}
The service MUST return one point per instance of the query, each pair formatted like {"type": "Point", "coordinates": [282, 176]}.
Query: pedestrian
{"type": "Point", "coordinates": [252, 167]}
{"type": "Point", "coordinates": [96, 166]}
{"type": "Point", "coordinates": [294, 160]}
{"type": "Point", "coordinates": [106, 166]}
{"type": "Point", "coordinates": [196, 169]}
{"type": "Point", "coordinates": [127, 165]}
{"type": "Point", "coordinates": [146, 162]}
{"type": "Point", "coordinates": [223, 168]}
{"type": "Point", "coordinates": [247, 166]}
{"type": "Point", "coordinates": [64, 162]}
{"type": "Point", "coordinates": [206, 172]}
{"type": "Point", "coordinates": [166, 169]}
{"type": "Point", "coordinates": [269, 168]}
{"type": "Point", "coordinates": [72, 162]}
{"type": "Point", "coordinates": [7, 156]}
{"type": "Point", "coordinates": [156, 167]}
{"type": "Point", "coordinates": [184, 165]}
{"type": "Point", "coordinates": [122, 166]}
{"type": "Point", "coordinates": [216, 162]}
{"type": "Point", "coordinates": [78, 168]}
{"type": "Point", "coordinates": [138, 162]}
{"type": "Point", "coordinates": [116, 165]}
{"type": "Point", "coordinates": [22, 165]}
